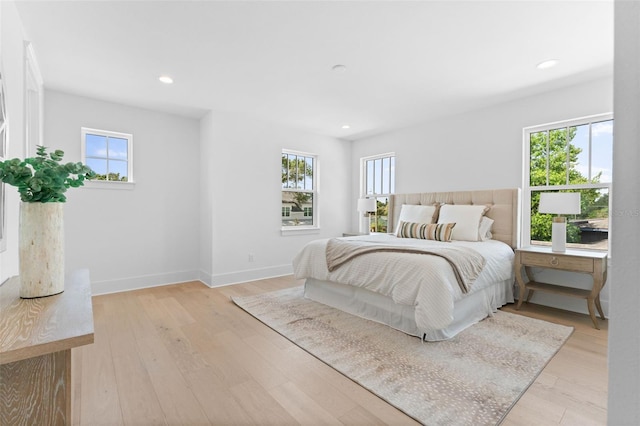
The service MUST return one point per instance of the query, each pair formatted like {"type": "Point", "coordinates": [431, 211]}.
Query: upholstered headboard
{"type": "Point", "coordinates": [504, 210]}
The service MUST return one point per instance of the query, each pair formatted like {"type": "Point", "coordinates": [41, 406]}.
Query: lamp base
{"type": "Point", "coordinates": [559, 234]}
{"type": "Point", "coordinates": [365, 224]}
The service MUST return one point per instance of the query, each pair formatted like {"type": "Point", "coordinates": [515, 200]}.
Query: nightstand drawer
{"type": "Point", "coordinates": [549, 260]}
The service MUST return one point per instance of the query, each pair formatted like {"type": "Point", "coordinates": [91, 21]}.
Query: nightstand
{"type": "Point", "coordinates": [588, 262]}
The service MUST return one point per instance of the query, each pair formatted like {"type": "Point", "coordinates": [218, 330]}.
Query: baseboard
{"type": "Point", "coordinates": [144, 281]}
{"type": "Point", "coordinates": [220, 280]}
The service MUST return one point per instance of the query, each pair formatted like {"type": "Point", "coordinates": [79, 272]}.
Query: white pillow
{"type": "Point", "coordinates": [484, 232]}
{"type": "Point", "coordinates": [467, 219]}
{"type": "Point", "coordinates": [416, 214]}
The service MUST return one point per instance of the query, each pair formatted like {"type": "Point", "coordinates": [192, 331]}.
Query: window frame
{"type": "Point", "coordinates": [84, 131]}
{"type": "Point", "coordinates": [526, 165]}
{"type": "Point", "coordinates": [364, 178]}
{"type": "Point", "coordinates": [303, 229]}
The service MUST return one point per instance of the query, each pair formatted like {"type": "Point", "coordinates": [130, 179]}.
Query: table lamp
{"type": "Point", "coordinates": [559, 203]}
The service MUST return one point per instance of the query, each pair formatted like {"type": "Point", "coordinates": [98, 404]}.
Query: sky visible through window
{"type": "Point", "coordinates": [107, 155]}
{"type": "Point", "coordinates": [601, 150]}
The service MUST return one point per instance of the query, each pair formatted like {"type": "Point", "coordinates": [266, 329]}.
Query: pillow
{"type": "Point", "coordinates": [416, 214]}
{"type": "Point", "coordinates": [425, 231]}
{"type": "Point", "coordinates": [467, 219]}
{"type": "Point", "coordinates": [484, 231]}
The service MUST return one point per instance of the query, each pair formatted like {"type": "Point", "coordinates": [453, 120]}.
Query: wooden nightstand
{"type": "Point", "coordinates": [588, 262]}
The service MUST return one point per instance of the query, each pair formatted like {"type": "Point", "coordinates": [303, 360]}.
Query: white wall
{"type": "Point", "coordinates": [242, 196]}
{"type": "Point", "coordinates": [624, 337]}
{"type": "Point", "coordinates": [483, 150]}
{"type": "Point", "coordinates": [11, 51]}
{"type": "Point", "coordinates": [145, 235]}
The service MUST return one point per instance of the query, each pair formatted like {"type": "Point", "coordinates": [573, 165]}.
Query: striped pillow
{"type": "Point", "coordinates": [426, 231]}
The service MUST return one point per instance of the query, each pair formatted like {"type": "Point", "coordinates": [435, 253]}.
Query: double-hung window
{"type": "Point", "coordinates": [109, 154]}
{"type": "Point", "coordinates": [378, 181]}
{"type": "Point", "coordinates": [570, 156]}
{"type": "Point", "coordinates": [299, 190]}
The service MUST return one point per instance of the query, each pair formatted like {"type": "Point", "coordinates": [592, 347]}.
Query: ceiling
{"type": "Point", "coordinates": [406, 62]}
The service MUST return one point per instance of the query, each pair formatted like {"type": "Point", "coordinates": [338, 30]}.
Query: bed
{"type": "Point", "coordinates": [418, 278]}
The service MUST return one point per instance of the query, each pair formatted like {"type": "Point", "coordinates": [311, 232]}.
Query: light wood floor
{"type": "Point", "coordinates": [185, 354]}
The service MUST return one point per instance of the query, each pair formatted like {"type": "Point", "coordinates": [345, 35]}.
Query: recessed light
{"type": "Point", "coordinates": [547, 64]}
{"type": "Point", "coordinates": [346, 126]}
{"type": "Point", "coordinates": [165, 79]}
{"type": "Point", "coordinates": [339, 68]}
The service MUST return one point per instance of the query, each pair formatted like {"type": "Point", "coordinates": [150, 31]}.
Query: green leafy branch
{"type": "Point", "coordinates": [43, 178]}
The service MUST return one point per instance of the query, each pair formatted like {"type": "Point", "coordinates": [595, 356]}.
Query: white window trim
{"type": "Point", "coordinates": [109, 184]}
{"type": "Point", "coordinates": [525, 231]}
{"type": "Point", "coordinates": [315, 228]}
{"type": "Point", "coordinates": [363, 173]}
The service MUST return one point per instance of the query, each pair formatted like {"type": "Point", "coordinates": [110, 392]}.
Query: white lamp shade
{"type": "Point", "coordinates": [366, 204]}
{"type": "Point", "coordinates": [559, 202]}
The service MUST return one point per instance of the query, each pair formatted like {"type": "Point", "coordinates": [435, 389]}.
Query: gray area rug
{"type": "Point", "coordinates": [473, 379]}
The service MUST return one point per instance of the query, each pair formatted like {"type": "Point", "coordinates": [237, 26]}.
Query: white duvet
{"type": "Point", "coordinates": [426, 282]}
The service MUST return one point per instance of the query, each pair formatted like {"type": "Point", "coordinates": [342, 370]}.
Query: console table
{"type": "Point", "coordinates": [36, 337]}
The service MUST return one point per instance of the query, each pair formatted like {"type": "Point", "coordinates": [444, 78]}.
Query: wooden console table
{"type": "Point", "coordinates": [36, 337]}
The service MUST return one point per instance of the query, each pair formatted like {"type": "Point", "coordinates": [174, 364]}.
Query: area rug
{"type": "Point", "coordinates": [473, 379]}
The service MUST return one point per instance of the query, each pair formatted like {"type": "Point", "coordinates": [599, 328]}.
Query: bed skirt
{"type": "Point", "coordinates": [376, 307]}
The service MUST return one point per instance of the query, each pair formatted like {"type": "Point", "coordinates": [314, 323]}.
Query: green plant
{"type": "Point", "coordinates": [43, 178]}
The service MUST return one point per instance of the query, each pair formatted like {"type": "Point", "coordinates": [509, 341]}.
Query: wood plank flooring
{"type": "Point", "coordinates": [185, 354]}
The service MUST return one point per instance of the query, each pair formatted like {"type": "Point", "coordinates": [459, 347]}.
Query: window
{"type": "Point", "coordinates": [109, 154]}
{"type": "Point", "coordinates": [572, 156]}
{"type": "Point", "coordinates": [378, 181]}
{"type": "Point", "coordinates": [299, 193]}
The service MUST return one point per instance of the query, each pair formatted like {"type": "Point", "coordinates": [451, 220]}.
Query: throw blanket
{"type": "Point", "coordinates": [465, 262]}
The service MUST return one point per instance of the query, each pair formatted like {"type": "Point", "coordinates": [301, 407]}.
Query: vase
{"type": "Point", "coordinates": [41, 243]}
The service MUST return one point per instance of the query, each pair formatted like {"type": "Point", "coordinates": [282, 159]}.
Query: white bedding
{"type": "Point", "coordinates": [425, 282]}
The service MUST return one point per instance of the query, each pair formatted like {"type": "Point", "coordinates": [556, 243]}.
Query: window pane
{"type": "Point", "coordinates": [377, 176]}
{"type": "Point", "coordinates": [589, 229]}
{"type": "Point", "coordinates": [98, 166]}
{"type": "Point", "coordinates": [118, 170]}
{"type": "Point", "coordinates": [579, 154]}
{"type": "Point", "coordinates": [602, 151]}
{"type": "Point", "coordinates": [386, 169]}
{"type": "Point", "coordinates": [558, 156]}
{"type": "Point", "coordinates": [118, 148]}
{"type": "Point", "coordinates": [370, 186]}
{"type": "Point", "coordinates": [538, 159]}
{"type": "Point", "coordinates": [293, 171]}
{"type": "Point", "coordinates": [308, 174]}
{"type": "Point", "coordinates": [393, 175]}
{"type": "Point", "coordinates": [380, 217]}
{"type": "Point", "coordinates": [285, 170]}
{"type": "Point", "coordinates": [96, 146]}
{"type": "Point", "coordinates": [296, 202]}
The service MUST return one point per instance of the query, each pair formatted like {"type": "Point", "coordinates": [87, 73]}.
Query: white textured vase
{"type": "Point", "coordinates": [41, 249]}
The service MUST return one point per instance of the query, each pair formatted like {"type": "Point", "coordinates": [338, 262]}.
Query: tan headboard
{"type": "Point", "coordinates": [504, 211]}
